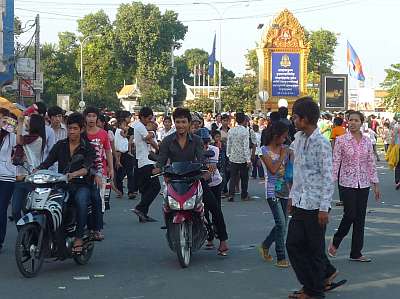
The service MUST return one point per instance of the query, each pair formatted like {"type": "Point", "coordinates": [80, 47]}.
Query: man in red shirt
{"type": "Point", "coordinates": [100, 141]}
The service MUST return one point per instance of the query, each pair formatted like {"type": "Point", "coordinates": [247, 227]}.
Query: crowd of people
{"type": "Point", "coordinates": [298, 158]}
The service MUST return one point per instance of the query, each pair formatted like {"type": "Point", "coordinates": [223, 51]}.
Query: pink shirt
{"type": "Point", "coordinates": [356, 162]}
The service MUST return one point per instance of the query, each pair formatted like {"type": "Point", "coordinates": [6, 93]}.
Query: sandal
{"type": "Point", "coordinates": [334, 285]}
{"type": "Point", "coordinates": [210, 246]}
{"type": "Point", "coordinates": [98, 236]}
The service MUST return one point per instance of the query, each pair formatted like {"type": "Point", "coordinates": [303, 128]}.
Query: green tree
{"type": "Point", "coordinates": [241, 94]}
{"type": "Point", "coordinates": [323, 46]}
{"type": "Point", "coordinates": [200, 105]}
{"type": "Point", "coordinates": [392, 85]}
{"type": "Point", "coordinates": [252, 60]}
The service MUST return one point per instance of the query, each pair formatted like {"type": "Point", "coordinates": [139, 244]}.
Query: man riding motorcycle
{"type": "Point", "coordinates": [78, 173]}
{"type": "Point", "coordinates": [182, 146]}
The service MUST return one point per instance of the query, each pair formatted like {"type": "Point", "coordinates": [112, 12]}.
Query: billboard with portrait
{"type": "Point", "coordinates": [334, 92]}
{"type": "Point", "coordinates": [285, 74]}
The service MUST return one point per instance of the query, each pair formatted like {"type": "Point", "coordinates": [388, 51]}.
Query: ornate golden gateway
{"type": "Point", "coordinates": [285, 36]}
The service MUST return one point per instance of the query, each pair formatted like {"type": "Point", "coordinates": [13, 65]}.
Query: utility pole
{"type": "Point", "coordinates": [37, 58]}
{"type": "Point", "coordinates": [172, 76]}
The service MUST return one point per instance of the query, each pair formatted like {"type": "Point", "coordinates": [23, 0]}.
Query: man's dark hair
{"type": "Point", "coordinates": [76, 118]}
{"type": "Point", "coordinates": [91, 109]}
{"type": "Point", "coordinates": [209, 111]}
{"type": "Point", "coordinates": [167, 118]}
{"type": "Point", "coordinates": [54, 111]}
{"type": "Point", "coordinates": [145, 112]}
{"type": "Point", "coordinates": [274, 117]}
{"type": "Point", "coordinates": [240, 117]}
{"type": "Point", "coordinates": [338, 121]}
{"type": "Point", "coordinates": [362, 117]}
{"type": "Point", "coordinates": [306, 108]}
{"type": "Point", "coordinates": [182, 113]}
{"type": "Point", "coordinates": [283, 112]}
{"type": "Point", "coordinates": [122, 114]}
{"type": "Point", "coordinates": [42, 108]}
{"type": "Point", "coordinates": [224, 116]}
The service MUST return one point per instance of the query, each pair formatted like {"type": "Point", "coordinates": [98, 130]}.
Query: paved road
{"type": "Point", "coordinates": [135, 262]}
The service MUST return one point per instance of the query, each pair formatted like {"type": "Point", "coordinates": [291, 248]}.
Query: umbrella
{"type": "Point", "coordinates": [4, 103]}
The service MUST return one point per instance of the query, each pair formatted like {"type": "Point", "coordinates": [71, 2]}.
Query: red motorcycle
{"type": "Point", "coordinates": [184, 209]}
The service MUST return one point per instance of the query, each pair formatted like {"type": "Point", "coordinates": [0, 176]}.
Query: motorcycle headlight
{"type": "Point", "coordinates": [190, 203]}
{"type": "Point", "coordinates": [173, 204]}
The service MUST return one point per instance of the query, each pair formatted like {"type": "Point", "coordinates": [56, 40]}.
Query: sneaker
{"type": "Point", "coordinates": [282, 264]}
{"type": "Point", "coordinates": [142, 217]}
{"type": "Point", "coordinates": [265, 254]}
{"type": "Point", "coordinates": [332, 250]}
{"type": "Point", "coordinates": [362, 259]}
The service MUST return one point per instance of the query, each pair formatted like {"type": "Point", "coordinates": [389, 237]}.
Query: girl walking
{"type": "Point", "coordinates": [275, 156]}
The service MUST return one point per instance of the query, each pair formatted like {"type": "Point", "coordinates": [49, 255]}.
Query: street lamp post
{"type": "Point", "coordinates": [82, 44]}
{"type": "Point", "coordinates": [220, 16]}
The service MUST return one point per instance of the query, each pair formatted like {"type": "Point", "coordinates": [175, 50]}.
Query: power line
{"type": "Point", "coordinates": [311, 8]}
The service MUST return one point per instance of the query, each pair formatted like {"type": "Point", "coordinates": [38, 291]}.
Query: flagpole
{"type": "Point", "coordinates": [199, 80]}
{"type": "Point", "coordinates": [220, 65]}
{"type": "Point", "coordinates": [208, 86]}
{"type": "Point", "coordinates": [194, 80]}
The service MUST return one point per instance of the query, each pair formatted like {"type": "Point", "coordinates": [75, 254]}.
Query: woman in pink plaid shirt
{"type": "Point", "coordinates": [353, 154]}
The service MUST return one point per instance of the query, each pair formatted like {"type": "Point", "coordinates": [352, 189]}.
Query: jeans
{"type": "Point", "coordinates": [305, 245]}
{"type": "Point", "coordinates": [7, 189]}
{"type": "Point", "coordinates": [81, 198]}
{"type": "Point", "coordinates": [21, 191]}
{"type": "Point", "coordinates": [239, 170]}
{"type": "Point", "coordinates": [97, 213]}
{"type": "Point", "coordinates": [127, 162]}
{"type": "Point", "coordinates": [278, 233]}
{"type": "Point", "coordinates": [257, 168]}
{"type": "Point", "coordinates": [148, 188]}
{"type": "Point", "coordinates": [354, 211]}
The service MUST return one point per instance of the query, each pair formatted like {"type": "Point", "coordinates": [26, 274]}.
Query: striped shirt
{"type": "Point", "coordinates": [60, 133]}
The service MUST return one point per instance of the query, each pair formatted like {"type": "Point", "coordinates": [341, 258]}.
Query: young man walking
{"type": "Point", "coordinates": [148, 187]}
{"type": "Point", "coordinates": [309, 203]}
{"type": "Point", "coordinates": [100, 141]}
{"type": "Point", "coordinates": [239, 154]}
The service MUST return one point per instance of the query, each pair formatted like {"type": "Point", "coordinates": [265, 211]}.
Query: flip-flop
{"type": "Point", "coordinates": [209, 247]}
{"type": "Point", "coordinates": [334, 285]}
{"type": "Point", "coordinates": [223, 252]}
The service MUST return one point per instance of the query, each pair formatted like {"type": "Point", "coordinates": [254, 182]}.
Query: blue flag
{"type": "Point", "coordinates": [211, 60]}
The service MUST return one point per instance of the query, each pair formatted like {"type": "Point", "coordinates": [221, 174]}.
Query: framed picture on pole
{"type": "Point", "coordinates": [334, 92]}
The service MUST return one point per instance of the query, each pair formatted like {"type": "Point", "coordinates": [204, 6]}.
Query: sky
{"type": "Point", "coordinates": [370, 26]}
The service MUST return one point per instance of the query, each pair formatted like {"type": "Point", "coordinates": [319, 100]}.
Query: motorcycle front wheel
{"type": "Point", "coordinates": [28, 255]}
{"type": "Point", "coordinates": [181, 235]}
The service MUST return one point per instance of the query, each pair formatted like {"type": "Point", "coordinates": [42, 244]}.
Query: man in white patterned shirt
{"type": "Point", "coordinates": [310, 201]}
{"type": "Point", "coordinates": [239, 154]}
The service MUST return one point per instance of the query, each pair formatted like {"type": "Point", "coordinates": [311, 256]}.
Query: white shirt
{"type": "Point", "coordinates": [238, 148]}
{"type": "Point", "coordinates": [161, 133]}
{"type": "Point", "coordinates": [312, 187]}
{"type": "Point", "coordinates": [142, 149]}
{"type": "Point", "coordinates": [216, 177]}
{"type": "Point", "coordinates": [8, 171]}
{"type": "Point", "coordinates": [120, 142]}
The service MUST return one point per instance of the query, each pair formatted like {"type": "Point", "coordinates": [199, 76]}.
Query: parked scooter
{"type": "Point", "coordinates": [48, 228]}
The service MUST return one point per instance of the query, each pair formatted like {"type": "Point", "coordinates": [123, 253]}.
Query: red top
{"type": "Point", "coordinates": [101, 143]}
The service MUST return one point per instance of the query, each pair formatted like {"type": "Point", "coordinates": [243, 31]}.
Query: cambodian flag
{"type": "Point", "coordinates": [211, 60]}
{"type": "Point", "coordinates": [354, 63]}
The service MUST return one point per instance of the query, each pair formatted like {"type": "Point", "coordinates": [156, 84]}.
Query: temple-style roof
{"type": "Point", "coordinates": [129, 91]}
